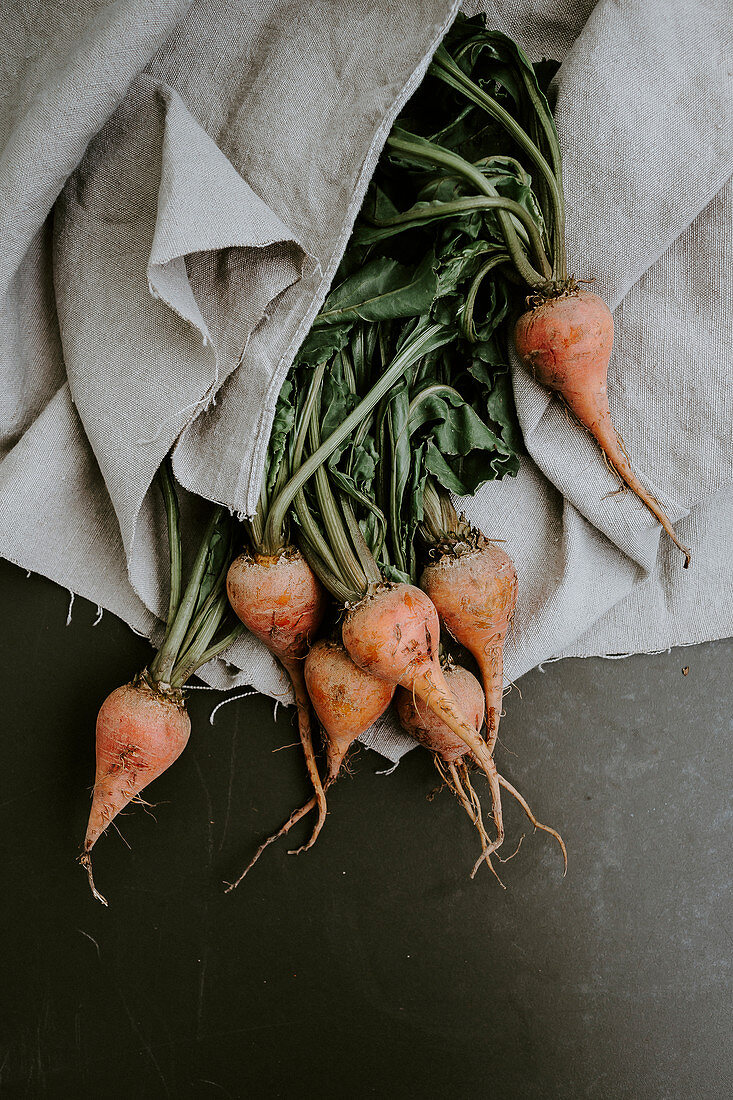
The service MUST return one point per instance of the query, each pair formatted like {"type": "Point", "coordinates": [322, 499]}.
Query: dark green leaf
{"type": "Point", "coordinates": [382, 290]}
{"type": "Point", "coordinates": [282, 427]}
{"type": "Point", "coordinates": [321, 344]}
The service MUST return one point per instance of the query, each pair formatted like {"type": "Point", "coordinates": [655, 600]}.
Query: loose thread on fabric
{"type": "Point", "coordinates": [616, 656]}
{"type": "Point", "coordinates": [231, 699]}
{"type": "Point", "coordinates": [71, 604]}
{"type": "Point", "coordinates": [388, 771]}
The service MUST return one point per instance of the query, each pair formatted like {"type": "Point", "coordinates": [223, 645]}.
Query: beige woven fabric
{"type": "Point", "coordinates": [177, 184]}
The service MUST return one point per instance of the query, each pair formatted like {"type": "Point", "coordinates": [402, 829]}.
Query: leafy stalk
{"type": "Point", "coordinates": [328, 578]}
{"type": "Point", "coordinates": [444, 67]}
{"type": "Point", "coordinates": [174, 538]}
{"type": "Point", "coordinates": [312, 532]}
{"type": "Point", "coordinates": [425, 338]}
{"type": "Point", "coordinates": [436, 211]}
{"type": "Point", "coordinates": [366, 557]}
{"type": "Point", "coordinates": [273, 535]}
{"type": "Point", "coordinates": [161, 667]}
{"type": "Point", "coordinates": [214, 650]}
{"type": "Point", "coordinates": [347, 489]}
{"type": "Point", "coordinates": [256, 522]}
{"type": "Point", "coordinates": [398, 444]}
{"type": "Point", "coordinates": [433, 154]}
{"type": "Point", "coordinates": [348, 563]}
{"type": "Point", "coordinates": [201, 649]}
{"type": "Point", "coordinates": [440, 518]}
{"type": "Point", "coordinates": [201, 621]}
{"type": "Point", "coordinates": [467, 324]}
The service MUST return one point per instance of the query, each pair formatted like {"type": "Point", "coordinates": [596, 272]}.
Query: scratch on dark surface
{"type": "Point", "coordinates": [133, 1024]}
{"type": "Point", "coordinates": [209, 808]}
{"type": "Point", "coordinates": [203, 1081]}
{"type": "Point", "coordinates": [42, 1028]}
{"type": "Point", "coordinates": [39, 1063]}
{"type": "Point", "coordinates": [248, 1029]}
{"type": "Point", "coordinates": [32, 790]}
{"type": "Point", "coordinates": [232, 761]}
{"type": "Point", "coordinates": [202, 987]}
{"type": "Point", "coordinates": [99, 953]}
{"type": "Point", "coordinates": [146, 1045]}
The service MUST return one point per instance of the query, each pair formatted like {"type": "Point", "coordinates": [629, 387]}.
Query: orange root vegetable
{"type": "Point", "coordinates": [450, 755]}
{"type": "Point", "coordinates": [143, 727]}
{"type": "Point", "coordinates": [566, 343]}
{"type": "Point", "coordinates": [430, 730]}
{"type": "Point", "coordinates": [448, 749]}
{"type": "Point", "coordinates": [281, 601]}
{"type": "Point", "coordinates": [347, 701]}
{"type": "Point", "coordinates": [475, 594]}
{"type": "Point", "coordinates": [141, 730]}
{"type": "Point", "coordinates": [394, 633]}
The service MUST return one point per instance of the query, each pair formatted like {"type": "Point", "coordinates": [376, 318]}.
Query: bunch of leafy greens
{"type": "Point", "coordinates": [405, 373]}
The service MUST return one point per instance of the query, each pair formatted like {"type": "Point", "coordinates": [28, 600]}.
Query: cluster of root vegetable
{"type": "Point", "coordinates": [356, 556]}
{"type": "Point", "coordinates": [389, 649]}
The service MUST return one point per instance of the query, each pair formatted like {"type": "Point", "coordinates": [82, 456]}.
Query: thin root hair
{"type": "Point", "coordinates": [120, 834]}
{"type": "Point", "coordinates": [507, 858]}
{"type": "Point", "coordinates": [294, 818]}
{"type": "Point", "coordinates": [85, 860]}
{"type": "Point", "coordinates": [537, 824]}
{"type": "Point", "coordinates": [473, 810]}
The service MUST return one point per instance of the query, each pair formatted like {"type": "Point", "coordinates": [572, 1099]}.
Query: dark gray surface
{"type": "Point", "coordinates": [371, 965]}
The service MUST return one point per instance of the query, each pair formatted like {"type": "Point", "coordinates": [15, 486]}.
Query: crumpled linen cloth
{"type": "Point", "coordinates": [177, 183]}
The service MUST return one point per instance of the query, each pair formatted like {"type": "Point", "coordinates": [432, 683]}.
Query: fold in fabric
{"type": "Point", "coordinates": [64, 69]}
{"type": "Point", "coordinates": [645, 118]}
{"type": "Point", "coordinates": [149, 338]}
